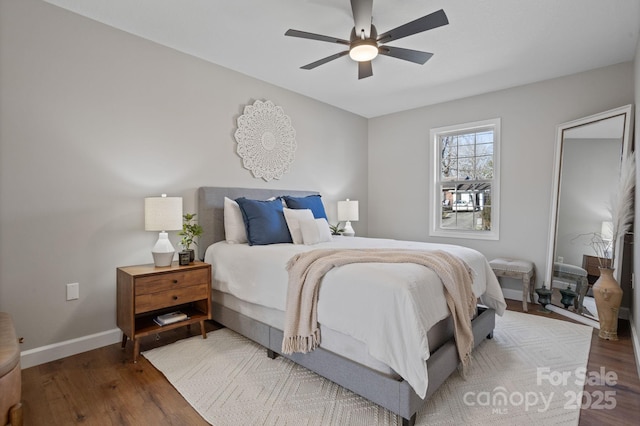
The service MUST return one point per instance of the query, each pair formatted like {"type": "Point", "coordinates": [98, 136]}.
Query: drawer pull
{"type": "Point", "coordinates": [175, 297]}
{"type": "Point", "coordinates": [175, 281]}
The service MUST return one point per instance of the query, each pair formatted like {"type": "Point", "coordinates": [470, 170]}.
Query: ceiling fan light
{"type": "Point", "coordinates": [363, 50]}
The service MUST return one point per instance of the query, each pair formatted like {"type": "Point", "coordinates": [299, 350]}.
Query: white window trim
{"type": "Point", "coordinates": [434, 194]}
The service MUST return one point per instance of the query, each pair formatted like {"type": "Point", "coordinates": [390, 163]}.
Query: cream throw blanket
{"type": "Point", "coordinates": [306, 270]}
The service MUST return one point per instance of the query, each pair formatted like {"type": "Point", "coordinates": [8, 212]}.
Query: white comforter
{"type": "Point", "coordinates": [389, 307]}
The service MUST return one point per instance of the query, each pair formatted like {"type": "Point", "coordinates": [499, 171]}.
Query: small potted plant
{"type": "Point", "coordinates": [190, 230]}
{"type": "Point", "coordinates": [336, 229]}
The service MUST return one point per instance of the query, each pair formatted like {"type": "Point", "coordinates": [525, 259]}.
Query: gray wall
{"type": "Point", "coordinates": [399, 158]}
{"type": "Point", "coordinates": [92, 121]}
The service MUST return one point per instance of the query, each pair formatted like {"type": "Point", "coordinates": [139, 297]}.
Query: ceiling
{"type": "Point", "coordinates": [488, 45]}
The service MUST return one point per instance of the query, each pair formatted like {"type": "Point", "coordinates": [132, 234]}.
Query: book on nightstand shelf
{"type": "Point", "coordinates": [170, 318]}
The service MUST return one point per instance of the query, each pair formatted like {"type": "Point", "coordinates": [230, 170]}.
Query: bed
{"type": "Point", "coordinates": [349, 353]}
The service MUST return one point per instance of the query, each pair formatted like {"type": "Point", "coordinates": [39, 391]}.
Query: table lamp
{"type": "Point", "coordinates": [163, 214]}
{"type": "Point", "coordinates": [348, 211]}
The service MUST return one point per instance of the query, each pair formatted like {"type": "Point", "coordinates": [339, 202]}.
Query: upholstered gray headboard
{"type": "Point", "coordinates": [211, 209]}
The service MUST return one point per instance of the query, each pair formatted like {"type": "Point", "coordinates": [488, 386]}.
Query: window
{"type": "Point", "coordinates": [466, 186]}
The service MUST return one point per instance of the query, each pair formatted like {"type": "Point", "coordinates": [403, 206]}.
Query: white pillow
{"type": "Point", "coordinates": [315, 231]}
{"type": "Point", "coordinates": [234, 229]}
{"type": "Point", "coordinates": [293, 218]}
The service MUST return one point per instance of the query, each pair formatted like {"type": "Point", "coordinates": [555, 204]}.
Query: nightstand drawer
{"type": "Point", "coordinates": [164, 299]}
{"type": "Point", "coordinates": [171, 281]}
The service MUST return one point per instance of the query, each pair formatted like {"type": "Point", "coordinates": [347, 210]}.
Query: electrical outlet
{"type": "Point", "coordinates": [73, 291]}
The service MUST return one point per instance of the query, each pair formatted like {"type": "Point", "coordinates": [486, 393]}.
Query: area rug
{"type": "Point", "coordinates": [531, 372]}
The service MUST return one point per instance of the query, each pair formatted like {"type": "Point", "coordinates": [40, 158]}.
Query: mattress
{"type": "Point", "coordinates": [384, 310]}
{"type": "Point", "coordinates": [332, 340]}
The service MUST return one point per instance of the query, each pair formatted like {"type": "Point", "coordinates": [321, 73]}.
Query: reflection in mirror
{"type": "Point", "coordinates": [588, 158]}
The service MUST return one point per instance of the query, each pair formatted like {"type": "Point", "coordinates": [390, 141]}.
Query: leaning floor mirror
{"type": "Point", "coordinates": [589, 154]}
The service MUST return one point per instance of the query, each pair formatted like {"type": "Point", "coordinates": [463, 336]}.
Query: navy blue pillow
{"type": "Point", "coordinates": [264, 221]}
{"type": "Point", "coordinates": [312, 202]}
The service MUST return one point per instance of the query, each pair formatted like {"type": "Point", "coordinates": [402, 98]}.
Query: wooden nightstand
{"type": "Point", "coordinates": [591, 265]}
{"type": "Point", "coordinates": [146, 291]}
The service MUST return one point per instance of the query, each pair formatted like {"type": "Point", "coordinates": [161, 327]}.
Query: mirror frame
{"type": "Point", "coordinates": [627, 111]}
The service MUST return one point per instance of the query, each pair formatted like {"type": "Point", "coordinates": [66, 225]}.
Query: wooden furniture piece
{"type": "Point", "coordinates": [146, 291]}
{"type": "Point", "coordinates": [10, 374]}
{"type": "Point", "coordinates": [393, 394]}
{"type": "Point", "coordinates": [518, 269]}
{"type": "Point", "coordinates": [591, 265]}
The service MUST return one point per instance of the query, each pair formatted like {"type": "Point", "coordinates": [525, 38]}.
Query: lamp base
{"type": "Point", "coordinates": [348, 230]}
{"type": "Point", "coordinates": [162, 259]}
{"type": "Point", "coordinates": [163, 250]}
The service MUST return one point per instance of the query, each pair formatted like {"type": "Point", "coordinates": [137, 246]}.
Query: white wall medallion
{"type": "Point", "coordinates": [266, 140]}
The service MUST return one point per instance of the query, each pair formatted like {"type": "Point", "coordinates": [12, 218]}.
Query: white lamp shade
{"type": "Point", "coordinates": [162, 213]}
{"type": "Point", "coordinates": [347, 210]}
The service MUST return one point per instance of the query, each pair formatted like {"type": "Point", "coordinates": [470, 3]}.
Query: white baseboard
{"type": "Point", "coordinates": [510, 293]}
{"type": "Point", "coordinates": [41, 355]}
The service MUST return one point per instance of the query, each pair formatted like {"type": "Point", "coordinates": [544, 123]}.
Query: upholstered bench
{"type": "Point", "coordinates": [518, 269]}
{"type": "Point", "coordinates": [10, 374]}
{"type": "Point", "coordinates": [564, 274]}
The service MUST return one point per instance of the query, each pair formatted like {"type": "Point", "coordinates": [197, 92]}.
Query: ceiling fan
{"type": "Point", "coordinates": [365, 43]}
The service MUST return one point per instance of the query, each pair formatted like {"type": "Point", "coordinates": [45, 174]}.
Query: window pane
{"type": "Point", "coordinates": [484, 167]}
{"type": "Point", "coordinates": [466, 168]}
{"type": "Point", "coordinates": [448, 157]}
{"type": "Point", "coordinates": [466, 206]}
{"type": "Point", "coordinates": [466, 150]}
{"type": "Point", "coordinates": [485, 136]}
{"type": "Point", "coordinates": [468, 139]}
{"type": "Point", "coordinates": [484, 149]}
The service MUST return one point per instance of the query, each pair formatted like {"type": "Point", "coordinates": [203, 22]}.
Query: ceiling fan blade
{"type": "Point", "coordinates": [312, 36]}
{"type": "Point", "coordinates": [364, 70]}
{"type": "Point", "coordinates": [428, 22]}
{"type": "Point", "coordinates": [319, 62]}
{"type": "Point", "coordinates": [406, 54]}
{"type": "Point", "coordinates": [362, 15]}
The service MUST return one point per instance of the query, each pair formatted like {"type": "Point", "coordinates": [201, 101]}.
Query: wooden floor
{"type": "Point", "coordinates": [103, 386]}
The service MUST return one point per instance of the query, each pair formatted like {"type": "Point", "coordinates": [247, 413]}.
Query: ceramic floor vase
{"type": "Point", "coordinates": [608, 295]}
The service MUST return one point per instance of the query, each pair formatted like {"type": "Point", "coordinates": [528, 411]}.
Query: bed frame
{"type": "Point", "coordinates": [395, 395]}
